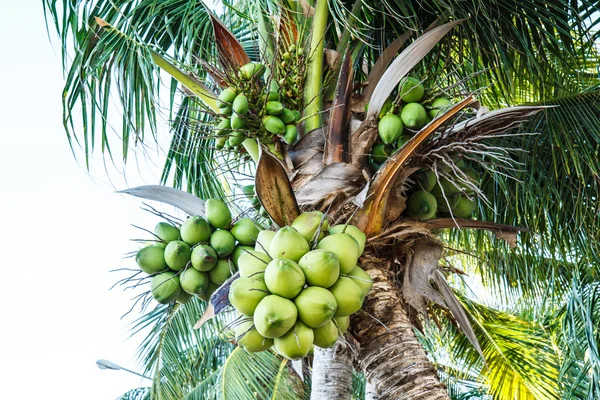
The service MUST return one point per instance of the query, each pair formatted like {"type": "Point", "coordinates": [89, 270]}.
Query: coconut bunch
{"type": "Point", "coordinates": [197, 257]}
{"type": "Point", "coordinates": [247, 109]}
{"type": "Point", "coordinates": [403, 114]}
{"type": "Point", "coordinates": [299, 286]}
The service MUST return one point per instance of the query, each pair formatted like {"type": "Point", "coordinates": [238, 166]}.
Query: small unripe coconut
{"type": "Point", "coordinates": [248, 337]}
{"type": "Point", "coordinates": [274, 316]}
{"type": "Point", "coordinates": [342, 324]}
{"type": "Point", "coordinates": [237, 253]}
{"type": "Point", "coordinates": [449, 202]}
{"type": "Point", "coordinates": [449, 188]}
{"type": "Point", "coordinates": [465, 207]}
{"type": "Point", "coordinates": [252, 262]}
{"type": "Point", "coordinates": [195, 230]}
{"type": "Point", "coordinates": [426, 180]}
{"type": "Point", "coordinates": [226, 97]}
{"type": "Point", "coordinates": [221, 272]}
{"type": "Point", "coordinates": [353, 231]}
{"type": "Point", "coordinates": [308, 223]}
{"type": "Point", "coordinates": [362, 279]}
{"type": "Point", "coordinates": [380, 153]}
{"type": "Point", "coordinates": [410, 89]}
{"type": "Point", "coordinates": [204, 258]}
{"type": "Point", "coordinates": [438, 107]}
{"type": "Point", "coordinates": [151, 259]}
{"type": "Point", "coordinates": [245, 231]}
{"type": "Point", "coordinates": [240, 104]}
{"type": "Point", "coordinates": [291, 134]}
{"type": "Point", "coordinates": [209, 291]}
{"type": "Point", "coordinates": [287, 116]}
{"type": "Point", "coordinates": [320, 267]}
{"type": "Point", "coordinates": [402, 140]}
{"type": "Point", "coordinates": [274, 125]}
{"type": "Point", "coordinates": [264, 241]}
{"type": "Point", "coordinates": [414, 116]}
{"type": "Point", "coordinates": [296, 343]}
{"type": "Point", "coordinates": [421, 205]}
{"type": "Point", "coordinates": [316, 306]}
{"type": "Point", "coordinates": [184, 297]}
{"type": "Point", "coordinates": [177, 255]}
{"type": "Point", "coordinates": [390, 128]}
{"type": "Point", "coordinates": [165, 287]}
{"type": "Point", "coordinates": [288, 243]}
{"type": "Point", "coordinates": [472, 176]}
{"type": "Point", "coordinates": [326, 336]}
{"type": "Point", "coordinates": [284, 278]}
{"type": "Point", "coordinates": [217, 213]}
{"type": "Point", "coordinates": [344, 247]}
{"type": "Point", "coordinates": [246, 293]}
{"type": "Point", "coordinates": [166, 232]}
{"type": "Point", "coordinates": [251, 71]}
{"type": "Point", "coordinates": [193, 281]}
{"type": "Point", "coordinates": [348, 295]}
{"type": "Point", "coordinates": [222, 242]}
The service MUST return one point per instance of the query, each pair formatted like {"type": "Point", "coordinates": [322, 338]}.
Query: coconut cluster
{"type": "Point", "coordinates": [198, 257]}
{"type": "Point", "coordinates": [299, 286]}
{"type": "Point", "coordinates": [246, 111]}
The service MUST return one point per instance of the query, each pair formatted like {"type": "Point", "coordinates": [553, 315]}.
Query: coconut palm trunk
{"type": "Point", "coordinates": [332, 373]}
{"type": "Point", "coordinates": [370, 392]}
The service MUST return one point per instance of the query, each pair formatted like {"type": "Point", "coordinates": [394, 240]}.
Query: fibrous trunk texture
{"type": "Point", "coordinates": [390, 355]}
{"type": "Point", "coordinates": [332, 373]}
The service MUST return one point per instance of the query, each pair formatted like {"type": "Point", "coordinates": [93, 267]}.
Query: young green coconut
{"type": "Point", "coordinates": [238, 251]}
{"type": "Point", "coordinates": [296, 343]}
{"type": "Point", "coordinates": [246, 293]}
{"type": "Point", "coordinates": [344, 247]}
{"type": "Point", "coordinates": [166, 232]}
{"type": "Point", "coordinates": [362, 279]}
{"type": "Point", "coordinates": [342, 323]}
{"type": "Point", "coordinates": [165, 287]}
{"type": "Point", "coordinates": [177, 255]}
{"type": "Point", "coordinates": [288, 243]}
{"type": "Point", "coordinates": [326, 336]}
{"type": "Point", "coordinates": [316, 306]}
{"type": "Point", "coordinates": [348, 296]}
{"type": "Point", "coordinates": [284, 278]}
{"type": "Point", "coordinates": [221, 272]}
{"type": "Point", "coordinates": [264, 241]}
{"type": "Point", "coordinates": [253, 262]}
{"type": "Point", "coordinates": [151, 259]}
{"type": "Point", "coordinates": [193, 281]}
{"type": "Point", "coordinates": [217, 213]}
{"type": "Point", "coordinates": [204, 258]}
{"type": "Point", "coordinates": [320, 267]}
{"type": "Point", "coordinates": [307, 224]}
{"type": "Point", "coordinates": [195, 230]}
{"type": "Point", "coordinates": [249, 339]}
{"type": "Point", "coordinates": [274, 316]}
{"type": "Point", "coordinates": [353, 231]}
{"type": "Point", "coordinates": [222, 242]}
{"type": "Point", "coordinates": [245, 231]}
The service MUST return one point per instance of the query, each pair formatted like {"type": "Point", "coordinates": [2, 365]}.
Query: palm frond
{"type": "Point", "coordinates": [136, 394]}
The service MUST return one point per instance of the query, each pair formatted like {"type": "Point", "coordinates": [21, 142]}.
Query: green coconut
{"type": "Point", "coordinates": [195, 230]}
{"type": "Point", "coordinates": [320, 267]}
{"type": "Point", "coordinates": [248, 190]}
{"type": "Point", "coordinates": [165, 287]}
{"type": "Point", "coordinates": [226, 97]}
{"type": "Point", "coordinates": [253, 262]}
{"type": "Point", "coordinates": [184, 297]}
{"type": "Point", "coordinates": [274, 316]}
{"type": "Point", "coordinates": [237, 253]}
{"type": "Point", "coordinates": [353, 231]}
{"type": "Point", "coordinates": [414, 116]}
{"type": "Point", "coordinates": [402, 140]}
{"type": "Point", "coordinates": [380, 153]}
{"type": "Point", "coordinates": [251, 71]}
{"type": "Point", "coordinates": [222, 242]}
{"type": "Point", "coordinates": [446, 204]}
{"type": "Point", "coordinates": [465, 208]}
{"type": "Point", "coordinates": [221, 272]}
{"type": "Point", "coordinates": [291, 134]}
{"type": "Point", "coordinates": [246, 293]}
{"type": "Point", "coordinates": [166, 232]}
{"type": "Point", "coordinates": [326, 336]}
{"type": "Point", "coordinates": [287, 116]}
{"type": "Point", "coordinates": [342, 323]}
{"type": "Point", "coordinates": [472, 176]}
{"type": "Point", "coordinates": [284, 278]}
{"type": "Point", "coordinates": [177, 255]}
{"type": "Point", "coordinates": [449, 188]}
{"type": "Point", "coordinates": [316, 306]}
{"type": "Point", "coordinates": [151, 259]}
{"type": "Point", "coordinates": [296, 343]}
{"type": "Point", "coordinates": [240, 104]}
{"type": "Point", "coordinates": [362, 279]}
{"type": "Point", "coordinates": [274, 125]}
{"type": "Point", "coordinates": [385, 108]}
{"type": "Point", "coordinates": [193, 281]}
{"type": "Point", "coordinates": [209, 291]}
{"type": "Point", "coordinates": [410, 89]}
{"type": "Point", "coordinates": [217, 213]}
{"type": "Point", "coordinates": [307, 224]}
{"type": "Point", "coordinates": [204, 258]}
{"type": "Point", "coordinates": [249, 339]}
{"type": "Point", "coordinates": [426, 180]}
{"type": "Point", "coordinates": [421, 205]}
{"type": "Point", "coordinates": [438, 107]}
{"type": "Point", "coordinates": [348, 296]}
{"type": "Point", "coordinates": [344, 247]}
{"type": "Point", "coordinates": [263, 241]}
{"type": "Point", "coordinates": [390, 127]}
{"type": "Point", "coordinates": [288, 243]}
{"type": "Point", "coordinates": [245, 231]}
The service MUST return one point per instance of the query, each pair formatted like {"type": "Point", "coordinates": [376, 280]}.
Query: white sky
{"type": "Point", "coordinates": [63, 230]}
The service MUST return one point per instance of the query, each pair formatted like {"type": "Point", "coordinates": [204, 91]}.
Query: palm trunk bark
{"type": "Point", "coordinates": [332, 373]}
{"type": "Point", "coordinates": [391, 357]}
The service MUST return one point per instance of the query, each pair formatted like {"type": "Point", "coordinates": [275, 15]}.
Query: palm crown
{"type": "Point", "coordinates": [538, 165]}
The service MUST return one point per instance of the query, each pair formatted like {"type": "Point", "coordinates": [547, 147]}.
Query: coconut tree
{"type": "Point", "coordinates": [532, 234]}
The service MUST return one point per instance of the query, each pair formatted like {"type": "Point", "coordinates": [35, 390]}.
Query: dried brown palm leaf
{"type": "Point", "coordinates": [231, 53]}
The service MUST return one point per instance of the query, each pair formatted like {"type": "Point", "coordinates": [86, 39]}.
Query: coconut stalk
{"type": "Point", "coordinates": [313, 96]}
{"type": "Point", "coordinates": [332, 373]}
